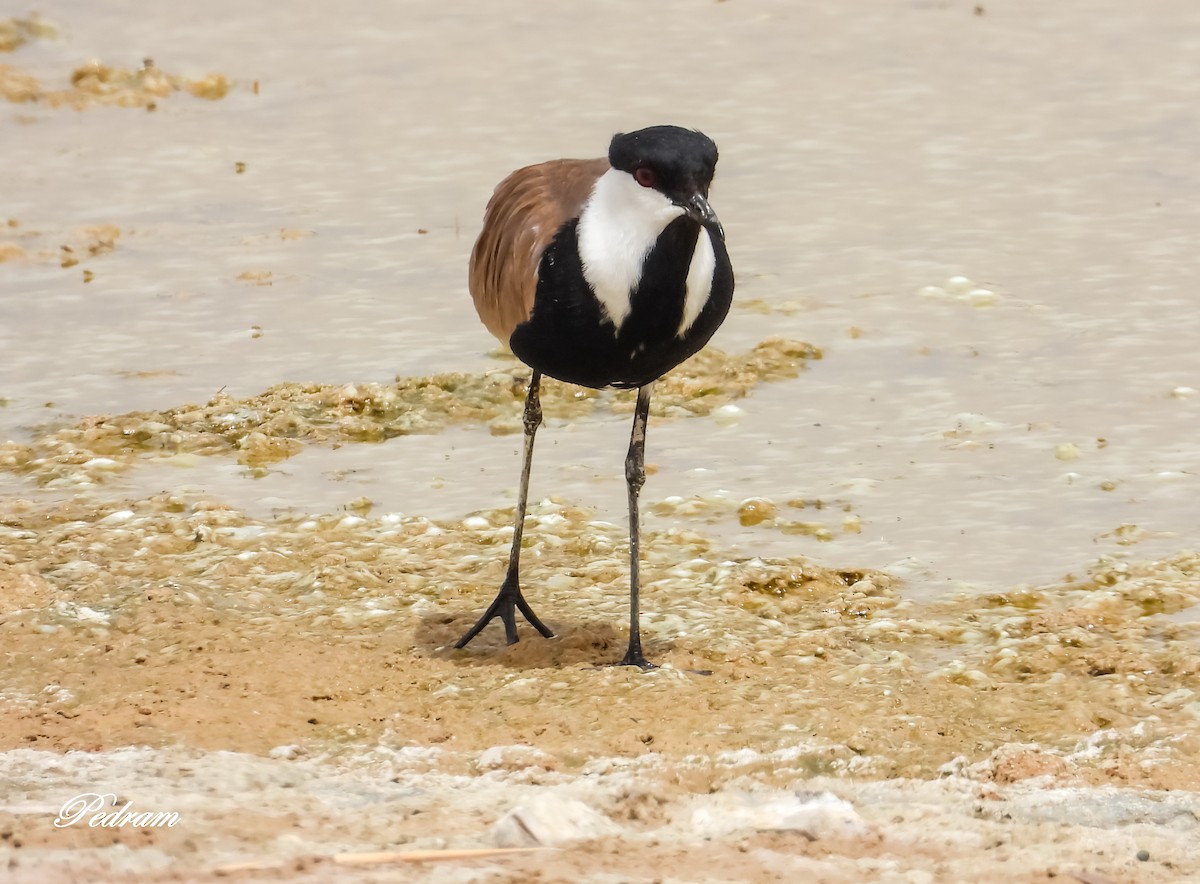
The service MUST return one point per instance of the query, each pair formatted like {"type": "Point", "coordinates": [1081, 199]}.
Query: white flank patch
{"type": "Point", "coordinates": [618, 227]}
{"type": "Point", "coordinates": [699, 282]}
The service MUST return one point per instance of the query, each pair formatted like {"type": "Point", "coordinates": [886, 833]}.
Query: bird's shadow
{"type": "Point", "coordinates": [576, 643]}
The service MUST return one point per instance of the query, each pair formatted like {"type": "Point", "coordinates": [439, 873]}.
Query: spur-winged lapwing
{"type": "Point", "coordinates": [606, 273]}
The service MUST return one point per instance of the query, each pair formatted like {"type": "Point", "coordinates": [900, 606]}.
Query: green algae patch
{"type": "Point", "coordinates": [264, 429]}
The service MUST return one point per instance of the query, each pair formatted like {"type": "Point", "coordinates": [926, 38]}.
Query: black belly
{"type": "Point", "coordinates": [569, 337]}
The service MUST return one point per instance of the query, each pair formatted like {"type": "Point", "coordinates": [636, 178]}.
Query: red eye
{"type": "Point", "coordinates": [645, 176]}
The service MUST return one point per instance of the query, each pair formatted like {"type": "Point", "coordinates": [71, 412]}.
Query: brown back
{"type": "Point", "coordinates": [527, 209]}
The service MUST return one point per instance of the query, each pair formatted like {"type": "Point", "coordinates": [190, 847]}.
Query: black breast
{"type": "Point", "coordinates": [569, 337]}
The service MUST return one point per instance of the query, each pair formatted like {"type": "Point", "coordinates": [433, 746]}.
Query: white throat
{"type": "Point", "coordinates": [618, 227]}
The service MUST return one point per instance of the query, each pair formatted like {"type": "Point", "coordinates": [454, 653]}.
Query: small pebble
{"type": "Point", "coordinates": [102, 463]}
{"type": "Point", "coordinates": [1067, 451]}
{"type": "Point", "coordinates": [548, 820]}
{"type": "Point", "coordinates": [959, 285]}
{"type": "Point", "coordinates": [756, 510]}
{"type": "Point", "coordinates": [980, 297]}
{"type": "Point", "coordinates": [289, 752]}
{"type": "Point", "coordinates": [727, 415]}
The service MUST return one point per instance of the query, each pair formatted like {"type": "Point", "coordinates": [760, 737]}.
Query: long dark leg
{"type": "Point", "coordinates": [635, 477]}
{"type": "Point", "coordinates": [509, 600]}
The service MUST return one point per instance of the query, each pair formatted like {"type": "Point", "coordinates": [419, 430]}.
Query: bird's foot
{"type": "Point", "coordinates": [505, 606]}
{"type": "Point", "coordinates": [635, 657]}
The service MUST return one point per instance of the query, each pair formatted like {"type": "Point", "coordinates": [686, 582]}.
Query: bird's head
{"type": "Point", "coordinates": [676, 162]}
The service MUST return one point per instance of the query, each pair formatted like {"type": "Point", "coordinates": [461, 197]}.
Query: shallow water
{"type": "Point", "coordinates": [1047, 153]}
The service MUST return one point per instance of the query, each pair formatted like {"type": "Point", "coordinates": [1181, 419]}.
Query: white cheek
{"type": "Point", "coordinates": [699, 280]}
{"type": "Point", "coordinates": [618, 227]}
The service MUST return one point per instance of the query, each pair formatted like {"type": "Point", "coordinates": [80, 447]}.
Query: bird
{"type": "Point", "coordinates": [604, 272]}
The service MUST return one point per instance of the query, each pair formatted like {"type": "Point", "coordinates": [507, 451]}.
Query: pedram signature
{"type": "Point", "coordinates": [100, 810]}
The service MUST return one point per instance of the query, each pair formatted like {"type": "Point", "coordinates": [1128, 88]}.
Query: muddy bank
{"type": "Point", "coordinates": [169, 619]}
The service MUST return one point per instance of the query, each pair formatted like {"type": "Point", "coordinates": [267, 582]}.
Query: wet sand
{"type": "Point", "coordinates": [925, 514]}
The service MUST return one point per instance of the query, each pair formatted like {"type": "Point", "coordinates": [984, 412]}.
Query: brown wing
{"type": "Point", "coordinates": [527, 209]}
